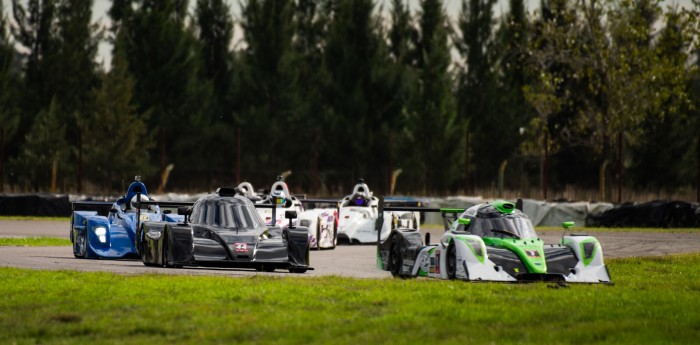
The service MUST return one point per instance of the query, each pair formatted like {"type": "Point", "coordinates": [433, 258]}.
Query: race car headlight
{"type": "Point", "coordinates": [101, 233]}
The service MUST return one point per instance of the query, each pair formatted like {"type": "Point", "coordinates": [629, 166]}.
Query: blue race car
{"type": "Point", "coordinates": [102, 230]}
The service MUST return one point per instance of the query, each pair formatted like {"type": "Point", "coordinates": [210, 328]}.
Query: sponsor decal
{"type": "Point", "coordinates": [533, 253]}
{"type": "Point", "coordinates": [240, 247]}
{"type": "Point", "coordinates": [424, 262]}
{"type": "Point", "coordinates": [437, 261]}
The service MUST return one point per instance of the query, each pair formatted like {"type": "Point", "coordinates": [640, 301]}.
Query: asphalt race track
{"type": "Point", "coordinates": [357, 261]}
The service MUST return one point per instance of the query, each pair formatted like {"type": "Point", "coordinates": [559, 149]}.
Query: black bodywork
{"type": "Point", "coordinates": [224, 230]}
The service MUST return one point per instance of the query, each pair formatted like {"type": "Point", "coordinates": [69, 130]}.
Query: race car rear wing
{"type": "Point", "coordinates": [448, 214]}
{"type": "Point", "coordinates": [183, 207]}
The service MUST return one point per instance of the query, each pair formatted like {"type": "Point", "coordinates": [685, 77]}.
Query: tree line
{"type": "Point", "coordinates": [594, 94]}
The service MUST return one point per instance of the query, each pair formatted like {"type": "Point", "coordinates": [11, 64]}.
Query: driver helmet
{"type": "Point", "coordinates": [278, 197]}
{"type": "Point", "coordinates": [134, 202]}
{"type": "Point", "coordinates": [359, 200]}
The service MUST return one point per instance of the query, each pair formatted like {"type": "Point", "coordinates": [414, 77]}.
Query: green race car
{"type": "Point", "coordinates": [492, 242]}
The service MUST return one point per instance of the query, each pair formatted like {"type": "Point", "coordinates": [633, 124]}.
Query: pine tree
{"type": "Point", "coordinates": [215, 28]}
{"type": "Point", "coordinates": [35, 24]}
{"type": "Point", "coordinates": [60, 71]}
{"type": "Point", "coordinates": [116, 139]}
{"type": "Point", "coordinates": [267, 86]}
{"type": "Point", "coordinates": [479, 100]}
{"type": "Point", "coordinates": [164, 60]}
{"type": "Point", "coordinates": [10, 90]}
{"type": "Point", "coordinates": [44, 149]}
{"type": "Point", "coordinates": [312, 114]}
{"type": "Point", "coordinates": [434, 129]}
{"type": "Point", "coordinates": [662, 149]}
{"type": "Point", "coordinates": [356, 57]}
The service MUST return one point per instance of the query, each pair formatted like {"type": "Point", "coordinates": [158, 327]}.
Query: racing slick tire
{"type": "Point", "coordinates": [318, 233]}
{"type": "Point", "coordinates": [142, 254]}
{"type": "Point", "coordinates": [395, 258]}
{"type": "Point", "coordinates": [335, 235]}
{"type": "Point", "coordinates": [451, 265]}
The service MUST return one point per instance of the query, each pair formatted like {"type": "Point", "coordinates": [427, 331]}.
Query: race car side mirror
{"type": "Point", "coordinates": [464, 221]}
{"type": "Point", "coordinates": [185, 211]}
{"type": "Point", "coordinates": [566, 226]}
{"type": "Point", "coordinates": [290, 215]}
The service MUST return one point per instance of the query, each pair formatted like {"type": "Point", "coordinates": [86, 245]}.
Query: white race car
{"type": "Point", "coordinates": [359, 212]}
{"type": "Point", "coordinates": [322, 222]}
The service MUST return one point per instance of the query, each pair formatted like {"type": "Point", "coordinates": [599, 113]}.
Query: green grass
{"type": "Point", "coordinates": [32, 218]}
{"type": "Point", "coordinates": [33, 241]}
{"type": "Point", "coordinates": [654, 300]}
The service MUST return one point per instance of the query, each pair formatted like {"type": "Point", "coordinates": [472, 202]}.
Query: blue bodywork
{"type": "Point", "coordinates": [112, 236]}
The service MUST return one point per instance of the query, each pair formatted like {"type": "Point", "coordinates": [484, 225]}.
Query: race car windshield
{"type": "Point", "coordinates": [518, 226]}
{"type": "Point", "coordinates": [228, 216]}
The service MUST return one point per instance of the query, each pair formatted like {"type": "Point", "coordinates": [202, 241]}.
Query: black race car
{"type": "Point", "coordinates": [224, 230]}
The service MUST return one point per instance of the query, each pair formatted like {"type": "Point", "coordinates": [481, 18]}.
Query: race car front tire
{"type": "Point", "coordinates": [451, 261]}
{"type": "Point", "coordinates": [395, 258]}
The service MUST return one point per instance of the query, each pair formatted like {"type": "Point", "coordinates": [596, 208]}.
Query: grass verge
{"type": "Point", "coordinates": [33, 241]}
{"type": "Point", "coordinates": [654, 300]}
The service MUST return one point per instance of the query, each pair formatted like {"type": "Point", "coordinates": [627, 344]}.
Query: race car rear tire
{"type": "Point", "coordinates": [318, 233]}
{"type": "Point", "coordinates": [142, 252]}
{"type": "Point", "coordinates": [451, 264]}
{"type": "Point", "coordinates": [395, 258]}
{"type": "Point", "coordinates": [335, 234]}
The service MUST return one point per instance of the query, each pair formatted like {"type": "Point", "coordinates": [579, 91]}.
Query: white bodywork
{"type": "Point", "coordinates": [431, 261]}
{"type": "Point", "coordinates": [319, 221]}
{"type": "Point", "coordinates": [357, 220]}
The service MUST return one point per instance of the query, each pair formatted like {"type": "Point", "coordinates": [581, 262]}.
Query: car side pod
{"type": "Point", "coordinates": [590, 267]}
{"type": "Point", "coordinates": [299, 245]}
